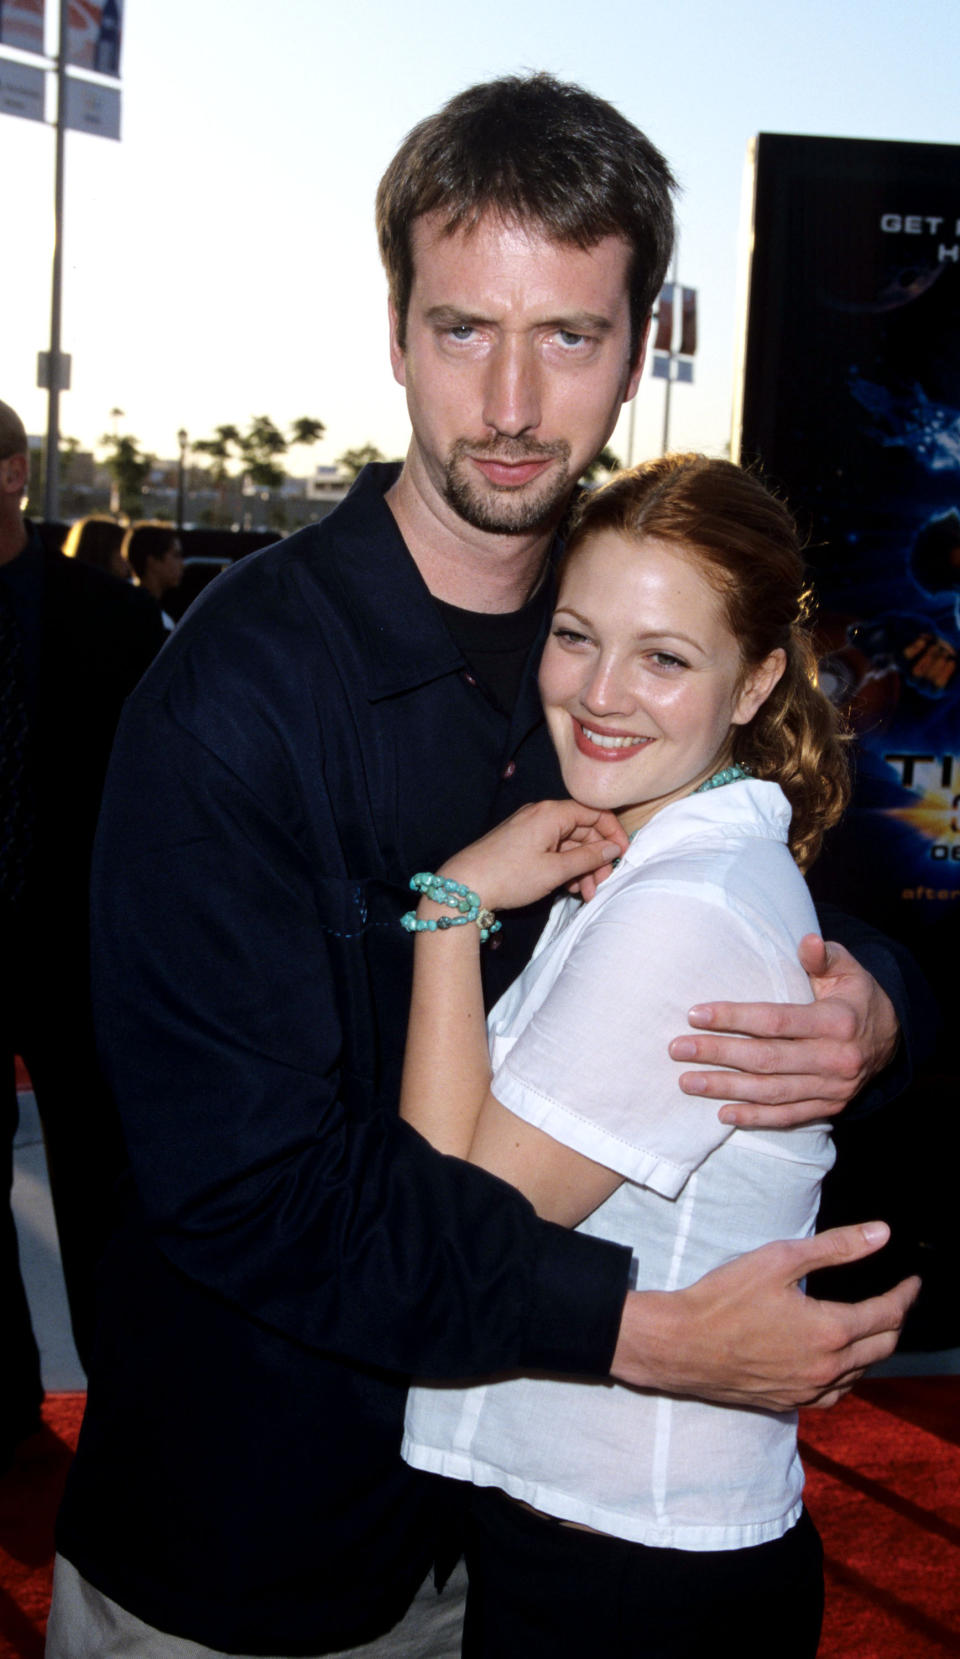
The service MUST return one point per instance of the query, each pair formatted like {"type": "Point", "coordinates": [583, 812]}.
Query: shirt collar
{"type": "Point", "coordinates": [750, 806]}
{"type": "Point", "coordinates": [405, 642]}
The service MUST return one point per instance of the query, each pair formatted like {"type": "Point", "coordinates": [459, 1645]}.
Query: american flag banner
{"type": "Point", "coordinates": [94, 31]}
{"type": "Point", "coordinates": [21, 24]}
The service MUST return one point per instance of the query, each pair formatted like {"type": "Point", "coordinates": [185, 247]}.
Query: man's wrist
{"type": "Point", "coordinates": [890, 1034]}
{"type": "Point", "coordinates": [650, 1339]}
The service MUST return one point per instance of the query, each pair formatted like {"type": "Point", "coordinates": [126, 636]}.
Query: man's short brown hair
{"type": "Point", "coordinates": [538, 152]}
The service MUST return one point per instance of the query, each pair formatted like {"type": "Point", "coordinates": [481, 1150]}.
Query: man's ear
{"type": "Point", "coordinates": [15, 475]}
{"type": "Point", "coordinates": [638, 362]}
{"type": "Point", "coordinates": [398, 361]}
{"type": "Point", "coordinates": [757, 686]}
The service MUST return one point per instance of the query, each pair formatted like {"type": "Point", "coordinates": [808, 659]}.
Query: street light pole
{"type": "Point", "coordinates": [183, 440]}
{"type": "Point", "coordinates": [665, 440]}
{"type": "Point", "coordinates": [51, 484]}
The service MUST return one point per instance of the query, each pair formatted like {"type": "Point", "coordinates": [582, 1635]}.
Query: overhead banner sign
{"type": "Point", "coordinates": [676, 304]}
{"type": "Point", "coordinates": [678, 369]}
{"type": "Point", "coordinates": [91, 107]}
{"type": "Point", "coordinates": [94, 31]}
{"type": "Point", "coordinates": [22, 90]}
{"type": "Point", "coordinates": [663, 339]}
{"type": "Point", "coordinates": [21, 25]}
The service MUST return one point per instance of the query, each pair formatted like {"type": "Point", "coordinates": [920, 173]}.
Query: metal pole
{"type": "Point", "coordinates": [51, 493]}
{"type": "Point", "coordinates": [182, 440]}
{"type": "Point", "coordinates": [665, 440]}
{"type": "Point", "coordinates": [665, 443]}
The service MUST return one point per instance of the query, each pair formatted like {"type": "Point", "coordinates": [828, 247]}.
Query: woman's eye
{"type": "Point", "coordinates": [569, 636]}
{"type": "Point", "coordinates": [666, 659]}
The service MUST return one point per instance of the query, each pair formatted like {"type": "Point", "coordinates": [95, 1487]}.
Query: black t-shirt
{"type": "Point", "coordinates": [497, 644]}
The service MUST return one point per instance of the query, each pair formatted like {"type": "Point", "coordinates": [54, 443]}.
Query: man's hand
{"type": "Point", "coordinates": [746, 1335]}
{"type": "Point", "coordinates": [803, 1060]}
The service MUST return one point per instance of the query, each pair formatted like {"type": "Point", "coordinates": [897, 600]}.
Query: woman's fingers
{"type": "Point", "coordinates": [539, 849]}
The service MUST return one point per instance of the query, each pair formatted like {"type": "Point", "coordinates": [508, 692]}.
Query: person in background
{"type": "Point", "coordinates": [98, 540]}
{"type": "Point", "coordinates": [154, 554]}
{"type": "Point", "coordinates": [74, 643]}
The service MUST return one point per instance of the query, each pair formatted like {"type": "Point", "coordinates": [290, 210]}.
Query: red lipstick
{"type": "Point", "coordinates": [594, 751]}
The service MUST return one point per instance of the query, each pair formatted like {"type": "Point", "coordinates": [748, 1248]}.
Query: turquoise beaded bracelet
{"type": "Point", "coordinates": [444, 890]}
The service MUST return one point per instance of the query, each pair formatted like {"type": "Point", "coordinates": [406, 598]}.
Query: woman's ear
{"type": "Point", "coordinates": [757, 686]}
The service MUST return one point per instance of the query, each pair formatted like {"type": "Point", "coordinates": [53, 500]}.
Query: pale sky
{"type": "Point", "coordinates": [220, 261]}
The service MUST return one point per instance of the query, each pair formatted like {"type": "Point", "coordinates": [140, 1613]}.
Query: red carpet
{"type": "Point", "coordinates": [29, 1499]}
{"type": "Point", "coordinates": [883, 1485]}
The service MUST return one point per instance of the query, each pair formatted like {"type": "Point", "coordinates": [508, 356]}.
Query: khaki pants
{"type": "Point", "coordinates": [85, 1624]}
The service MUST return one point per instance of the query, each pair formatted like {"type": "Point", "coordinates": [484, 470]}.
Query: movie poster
{"type": "Point", "coordinates": [851, 399]}
{"type": "Point", "coordinates": [851, 402]}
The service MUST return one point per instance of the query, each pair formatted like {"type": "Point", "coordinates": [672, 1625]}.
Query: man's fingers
{"type": "Point", "coordinates": [771, 1058]}
{"type": "Point", "coordinates": [875, 1324]}
{"type": "Point", "coordinates": [732, 1022]}
{"type": "Point", "coordinates": [765, 1084]}
{"type": "Point", "coordinates": [742, 1019]}
{"type": "Point", "coordinates": [823, 1402]}
{"type": "Point", "coordinates": [830, 968]}
{"type": "Point", "coordinates": [834, 1248]}
{"type": "Point", "coordinates": [808, 1109]}
{"type": "Point", "coordinates": [814, 955]}
{"type": "Point", "coordinates": [761, 1084]}
{"type": "Point", "coordinates": [765, 1101]}
{"type": "Point", "coordinates": [884, 1316]}
{"type": "Point", "coordinates": [865, 1331]}
{"type": "Point", "coordinates": [824, 958]}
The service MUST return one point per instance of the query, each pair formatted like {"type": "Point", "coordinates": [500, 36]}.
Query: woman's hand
{"type": "Point", "coordinates": [542, 847]}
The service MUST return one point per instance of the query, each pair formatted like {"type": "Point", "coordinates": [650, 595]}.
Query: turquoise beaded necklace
{"type": "Point", "coordinates": [730, 774]}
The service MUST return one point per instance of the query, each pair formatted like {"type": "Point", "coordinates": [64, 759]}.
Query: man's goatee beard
{"type": "Point", "coordinates": [509, 510]}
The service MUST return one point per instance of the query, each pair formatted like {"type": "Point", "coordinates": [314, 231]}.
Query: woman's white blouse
{"type": "Point", "coordinates": [706, 903]}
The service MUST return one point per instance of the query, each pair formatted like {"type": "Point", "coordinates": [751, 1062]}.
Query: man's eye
{"type": "Point", "coordinates": [567, 337]}
{"type": "Point", "coordinates": [460, 331]}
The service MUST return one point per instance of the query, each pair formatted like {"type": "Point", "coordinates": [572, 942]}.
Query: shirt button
{"type": "Point", "coordinates": [471, 679]}
{"type": "Point", "coordinates": [509, 769]}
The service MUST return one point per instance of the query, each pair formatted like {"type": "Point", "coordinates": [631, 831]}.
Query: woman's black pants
{"type": "Point", "coordinates": [541, 1590]}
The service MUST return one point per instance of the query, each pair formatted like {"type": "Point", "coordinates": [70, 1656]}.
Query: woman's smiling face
{"type": "Point", "coordinates": [641, 678]}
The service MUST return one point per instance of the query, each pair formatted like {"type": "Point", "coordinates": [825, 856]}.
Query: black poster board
{"type": "Point", "coordinates": [850, 401]}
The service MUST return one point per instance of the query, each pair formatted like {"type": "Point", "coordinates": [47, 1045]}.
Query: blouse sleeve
{"type": "Point", "coordinates": [591, 1067]}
